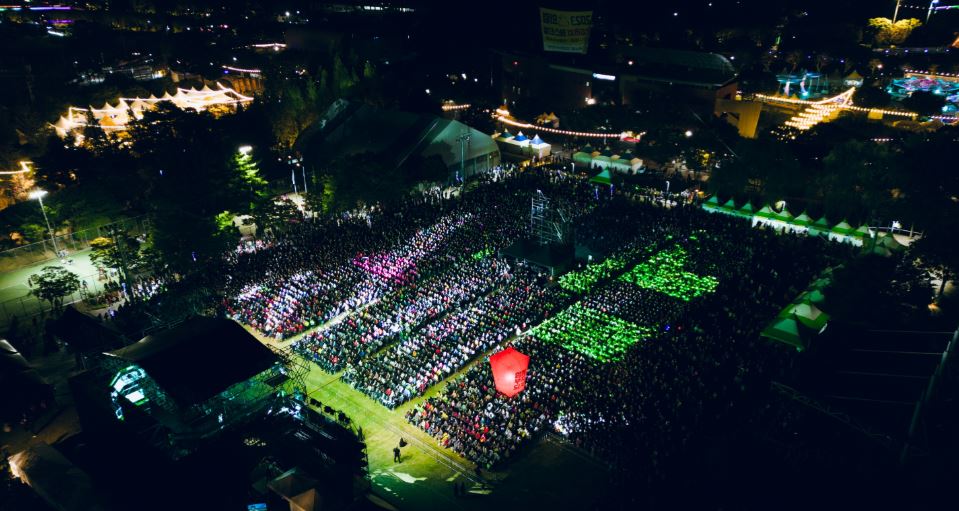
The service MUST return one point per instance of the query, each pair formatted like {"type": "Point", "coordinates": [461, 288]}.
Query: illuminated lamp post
{"type": "Point", "coordinates": [38, 194]}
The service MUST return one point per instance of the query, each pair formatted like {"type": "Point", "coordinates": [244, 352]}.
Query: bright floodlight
{"type": "Point", "coordinates": [244, 149]}
{"type": "Point", "coordinates": [38, 193]}
{"type": "Point", "coordinates": [689, 133]}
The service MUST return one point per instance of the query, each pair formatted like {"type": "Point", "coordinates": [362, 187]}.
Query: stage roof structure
{"type": "Point", "coordinates": [84, 333]}
{"type": "Point", "coordinates": [349, 129]}
{"type": "Point", "coordinates": [199, 359]}
{"type": "Point", "coordinates": [22, 385]}
{"type": "Point", "coordinates": [55, 479]}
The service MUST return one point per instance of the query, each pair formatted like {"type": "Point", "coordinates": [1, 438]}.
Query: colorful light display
{"type": "Point", "coordinates": [583, 281]}
{"type": "Point", "coordinates": [664, 273]}
{"type": "Point", "coordinates": [595, 334]}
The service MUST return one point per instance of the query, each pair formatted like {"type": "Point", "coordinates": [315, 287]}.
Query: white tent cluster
{"type": "Point", "coordinates": [520, 144]}
{"type": "Point", "coordinates": [623, 161]}
{"type": "Point", "coordinates": [114, 118]}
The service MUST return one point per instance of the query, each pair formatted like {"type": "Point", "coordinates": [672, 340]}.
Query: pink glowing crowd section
{"type": "Point", "coordinates": [388, 266]}
{"type": "Point", "coordinates": [399, 266]}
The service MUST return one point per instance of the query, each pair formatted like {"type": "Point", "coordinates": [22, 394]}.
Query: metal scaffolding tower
{"type": "Point", "coordinates": [547, 224]}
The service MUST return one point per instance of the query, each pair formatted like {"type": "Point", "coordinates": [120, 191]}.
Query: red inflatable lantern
{"type": "Point", "coordinates": [509, 371]}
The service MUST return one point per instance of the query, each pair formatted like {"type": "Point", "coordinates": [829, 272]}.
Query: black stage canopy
{"type": "Point", "coordinates": [199, 358]}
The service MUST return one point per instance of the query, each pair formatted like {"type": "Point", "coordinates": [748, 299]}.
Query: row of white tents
{"type": "Point", "coordinates": [623, 161]}
{"type": "Point", "coordinates": [116, 117]}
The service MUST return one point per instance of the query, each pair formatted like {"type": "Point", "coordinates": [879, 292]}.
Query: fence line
{"type": "Point", "coordinates": [41, 251]}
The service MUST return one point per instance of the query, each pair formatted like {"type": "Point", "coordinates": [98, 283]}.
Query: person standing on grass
{"type": "Point", "coordinates": [396, 455]}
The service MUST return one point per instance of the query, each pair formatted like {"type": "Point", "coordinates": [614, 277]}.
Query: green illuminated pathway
{"type": "Point", "coordinates": [547, 474]}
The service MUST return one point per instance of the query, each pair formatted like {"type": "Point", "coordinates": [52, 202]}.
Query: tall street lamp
{"type": "Point", "coordinates": [38, 194]}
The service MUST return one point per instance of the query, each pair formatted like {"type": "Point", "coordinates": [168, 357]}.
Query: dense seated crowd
{"type": "Point", "coordinates": [473, 420]}
{"type": "Point", "coordinates": [423, 297]}
{"type": "Point", "coordinates": [299, 280]}
{"type": "Point", "coordinates": [643, 408]}
{"type": "Point", "coordinates": [288, 306]}
{"type": "Point", "coordinates": [400, 311]}
{"type": "Point", "coordinates": [440, 348]}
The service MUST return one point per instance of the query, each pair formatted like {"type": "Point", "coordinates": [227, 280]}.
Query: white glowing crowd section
{"type": "Point", "coordinates": [116, 117]}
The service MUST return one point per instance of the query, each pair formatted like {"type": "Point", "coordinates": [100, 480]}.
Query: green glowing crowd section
{"type": "Point", "coordinates": [592, 333]}
{"type": "Point", "coordinates": [483, 254]}
{"type": "Point", "coordinates": [664, 273]}
{"type": "Point", "coordinates": [583, 281]}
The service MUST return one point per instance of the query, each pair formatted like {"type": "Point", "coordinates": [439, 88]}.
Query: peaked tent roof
{"type": "Point", "coordinates": [713, 200]}
{"type": "Point", "coordinates": [766, 212]}
{"type": "Point", "coordinates": [785, 330]}
{"type": "Point", "coordinates": [603, 178]}
{"type": "Point", "coordinates": [537, 141]}
{"type": "Point", "coordinates": [747, 208]}
{"type": "Point", "coordinates": [730, 205]}
{"type": "Point", "coordinates": [803, 220]}
{"type": "Point", "coordinates": [783, 215]}
{"type": "Point", "coordinates": [863, 231]}
{"type": "Point", "coordinates": [188, 361]}
{"type": "Point", "coordinates": [821, 283]}
{"type": "Point", "coordinates": [842, 228]}
{"type": "Point", "coordinates": [807, 314]}
{"type": "Point", "coordinates": [823, 223]}
{"type": "Point", "coordinates": [814, 296]}
{"type": "Point", "coordinates": [520, 137]}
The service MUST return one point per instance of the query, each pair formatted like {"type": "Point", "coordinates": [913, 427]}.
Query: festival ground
{"type": "Point", "coordinates": [548, 473]}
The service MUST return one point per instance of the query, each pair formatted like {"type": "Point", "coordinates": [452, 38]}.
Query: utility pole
{"type": "Point", "coordinates": [463, 140]}
{"type": "Point", "coordinates": [895, 14]}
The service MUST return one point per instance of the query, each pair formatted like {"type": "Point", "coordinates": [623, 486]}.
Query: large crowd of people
{"type": "Point", "coordinates": [410, 295]}
{"type": "Point", "coordinates": [399, 313]}
{"type": "Point", "coordinates": [441, 348]}
{"type": "Point", "coordinates": [648, 404]}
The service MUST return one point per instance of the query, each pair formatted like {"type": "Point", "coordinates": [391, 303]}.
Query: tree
{"type": "Point", "coordinates": [191, 175]}
{"type": "Point", "coordinates": [322, 202]}
{"type": "Point", "coordinates": [857, 180]}
{"type": "Point", "coordinates": [924, 103]}
{"type": "Point", "coordinates": [343, 78]}
{"type": "Point", "coordinates": [119, 251]}
{"type": "Point", "coordinates": [888, 32]}
{"type": "Point", "coordinates": [53, 283]}
{"type": "Point", "coordinates": [275, 215]}
{"type": "Point", "coordinates": [870, 96]}
{"type": "Point", "coordinates": [936, 250]}
{"type": "Point", "coordinates": [247, 170]}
